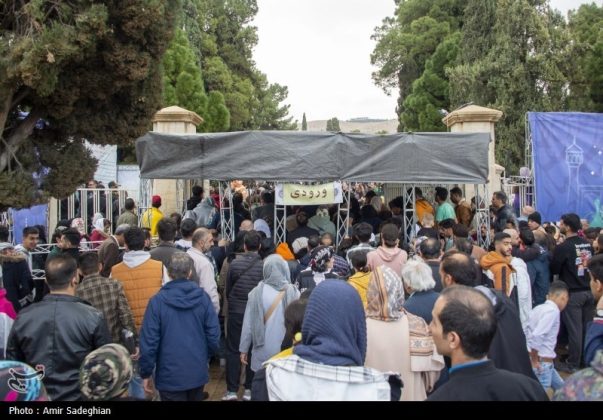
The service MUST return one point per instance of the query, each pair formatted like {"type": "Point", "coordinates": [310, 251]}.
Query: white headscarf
{"type": "Point", "coordinates": [260, 225]}
{"type": "Point", "coordinates": [100, 224]}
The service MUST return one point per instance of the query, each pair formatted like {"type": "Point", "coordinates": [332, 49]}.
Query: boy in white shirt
{"type": "Point", "coordinates": [543, 327]}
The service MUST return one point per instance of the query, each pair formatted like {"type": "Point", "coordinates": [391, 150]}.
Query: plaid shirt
{"type": "Point", "coordinates": [107, 295]}
{"type": "Point", "coordinates": [295, 371]}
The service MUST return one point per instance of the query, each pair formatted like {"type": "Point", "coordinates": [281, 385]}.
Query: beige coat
{"type": "Point", "coordinates": [388, 349]}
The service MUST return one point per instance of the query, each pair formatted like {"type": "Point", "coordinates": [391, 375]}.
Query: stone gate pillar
{"type": "Point", "coordinates": [477, 119]}
{"type": "Point", "coordinates": [173, 120]}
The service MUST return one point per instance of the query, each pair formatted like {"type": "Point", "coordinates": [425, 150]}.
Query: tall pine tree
{"type": "Point", "coordinates": [183, 86]}
{"type": "Point", "coordinates": [517, 70]}
{"type": "Point", "coordinates": [304, 126]}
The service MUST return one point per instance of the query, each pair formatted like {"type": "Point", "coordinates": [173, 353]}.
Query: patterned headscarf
{"type": "Point", "coordinates": [385, 295]}
{"type": "Point", "coordinates": [319, 258]}
{"type": "Point", "coordinates": [334, 326]}
{"type": "Point", "coordinates": [106, 372]}
{"type": "Point", "coordinates": [20, 382]}
{"type": "Point", "coordinates": [79, 224]}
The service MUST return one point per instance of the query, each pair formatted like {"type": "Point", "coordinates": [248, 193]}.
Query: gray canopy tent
{"type": "Point", "coordinates": [294, 156]}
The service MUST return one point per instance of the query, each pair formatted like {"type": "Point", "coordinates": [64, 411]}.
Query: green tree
{"type": "Point", "coordinates": [586, 77]}
{"type": "Point", "coordinates": [304, 126]}
{"type": "Point", "coordinates": [333, 125]}
{"type": "Point", "coordinates": [225, 38]}
{"type": "Point", "coordinates": [521, 71]}
{"type": "Point", "coordinates": [429, 95]}
{"type": "Point", "coordinates": [406, 41]}
{"type": "Point", "coordinates": [88, 70]}
{"type": "Point", "coordinates": [183, 86]}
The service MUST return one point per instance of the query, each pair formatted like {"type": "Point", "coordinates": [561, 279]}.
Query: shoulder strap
{"type": "Point", "coordinates": [238, 275]}
{"type": "Point", "coordinates": [275, 303]}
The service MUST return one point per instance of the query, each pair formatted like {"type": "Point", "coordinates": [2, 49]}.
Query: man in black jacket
{"type": "Point", "coordinates": [504, 213]}
{"type": "Point", "coordinates": [508, 349]}
{"type": "Point", "coordinates": [58, 332]}
{"type": "Point", "coordinates": [244, 273]}
{"type": "Point", "coordinates": [463, 327]}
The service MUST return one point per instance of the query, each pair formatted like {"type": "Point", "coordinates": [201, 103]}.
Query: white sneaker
{"type": "Point", "coordinates": [230, 396]}
{"type": "Point", "coordinates": [247, 395]}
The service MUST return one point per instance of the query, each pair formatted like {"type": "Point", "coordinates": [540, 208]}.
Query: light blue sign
{"type": "Point", "coordinates": [35, 215]}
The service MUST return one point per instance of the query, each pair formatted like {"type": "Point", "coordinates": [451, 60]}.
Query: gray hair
{"type": "Point", "coordinates": [121, 229]}
{"type": "Point", "coordinates": [199, 235]}
{"type": "Point", "coordinates": [180, 266]}
{"type": "Point", "coordinates": [418, 276]}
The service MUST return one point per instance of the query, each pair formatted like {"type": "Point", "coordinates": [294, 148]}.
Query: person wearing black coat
{"type": "Point", "coordinates": [58, 332]}
{"type": "Point", "coordinates": [508, 349]}
{"type": "Point", "coordinates": [463, 327]}
{"type": "Point", "coordinates": [16, 277]}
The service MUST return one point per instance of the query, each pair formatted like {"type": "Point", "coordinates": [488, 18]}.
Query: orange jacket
{"type": "Point", "coordinates": [140, 284]}
{"type": "Point", "coordinates": [495, 263]}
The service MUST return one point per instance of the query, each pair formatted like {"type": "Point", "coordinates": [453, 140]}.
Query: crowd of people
{"type": "Point", "coordinates": [375, 317]}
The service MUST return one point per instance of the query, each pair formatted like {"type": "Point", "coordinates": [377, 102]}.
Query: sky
{"type": "Point", "coordinates": [320, 50]}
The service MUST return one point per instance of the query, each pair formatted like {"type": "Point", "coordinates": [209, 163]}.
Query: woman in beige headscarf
{"type": "Point", "coordinates": [397, 340]}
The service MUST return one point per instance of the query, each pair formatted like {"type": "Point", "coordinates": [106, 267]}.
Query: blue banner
{"type": "Point", "coordinates": [567, 152]}
{"type": "Point", "coordinates": [33, 216]}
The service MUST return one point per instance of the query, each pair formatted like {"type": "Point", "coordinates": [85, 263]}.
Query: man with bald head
{"type": "Point", "coordinates": [246, 225]}
{"type": "Point", "coordinates": [508, 349]}
{"type": "Point", "coordinates": [202, 241]}
{"type": "Point", "coordinates": [463, 327]}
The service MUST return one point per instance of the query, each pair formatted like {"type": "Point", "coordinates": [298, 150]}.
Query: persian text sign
{"type": "Point", "coordinates": [307, 195]}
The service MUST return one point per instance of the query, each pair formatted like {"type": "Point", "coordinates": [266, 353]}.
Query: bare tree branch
{"type": "Point", "coordinates": [17, 137]}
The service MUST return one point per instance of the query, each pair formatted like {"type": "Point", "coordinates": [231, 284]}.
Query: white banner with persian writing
{"type": "Point", "coordinates": [308, 195]}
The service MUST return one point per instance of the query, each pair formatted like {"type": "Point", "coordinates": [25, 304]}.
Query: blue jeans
{"type": "Point", "coordinates": [548, 376]}
{"type": "Point", "coordinates": [135, 389]}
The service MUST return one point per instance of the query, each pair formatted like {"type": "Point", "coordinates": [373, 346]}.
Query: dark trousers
{"type": "Point", "coordinates": [578, 312]}
{"type": "Point", "coordinates": [195, 394]}
{"type": "Point", "coordinates": [233, 355]}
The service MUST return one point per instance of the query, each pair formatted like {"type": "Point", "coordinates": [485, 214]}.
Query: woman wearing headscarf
{"type": "Point", "coordinates": [328, 364]}
{"type": "Point", "coordinates": [321, 221]}
{"type": "Point", "coordinates": [397, 340]}
{"type": "Point", "coordinates": [102, 229]}
{"type": "Point", "coordinates": [261, 226]}
{"type": "Point", "coordinates": [20, 382]}
{"type": "Point", "coordinates": [79, 224]}
{"type": "Point", "coordinates": [264, 319]}
{"type": "Point", "coordinates": [319, 269]}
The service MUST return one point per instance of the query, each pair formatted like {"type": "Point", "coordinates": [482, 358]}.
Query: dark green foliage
{"type": "Point", "coordinates": [183, 86]}
{"type": "Point", "coordinates": [512, 55]}
{"type": "Point", "coordinates": [304, 126]}
{"type": "Point", "coordinates": [333, 125]}
{"type": "Point", "coordinates": [91, 70]}
{"type": "Point", "coordinates": [223, 38]}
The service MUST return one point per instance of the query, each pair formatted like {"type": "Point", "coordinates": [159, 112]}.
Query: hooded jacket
{"type": "Point", "coordinates": [179, 332]}
{"type": "Point", "coordinates": [141, 278]}
{"type": "Point", "coordinates": [360, 282]}
{"type": "Point", "coordinates": [497, 265]}
{"type": "Point", "coordinates": [204, 212]}
{"type": "Point", "coordinates": [394, 258]}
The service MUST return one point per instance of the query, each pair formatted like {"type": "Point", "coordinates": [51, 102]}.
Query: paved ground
{"type": "Point", "coordinates": [217, 382]}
